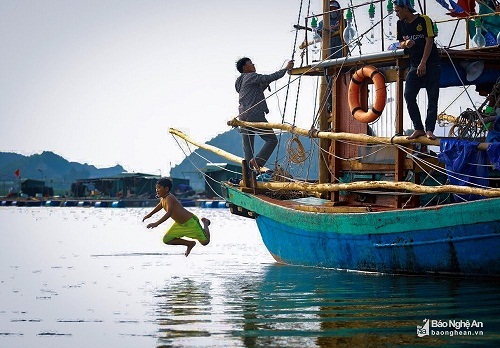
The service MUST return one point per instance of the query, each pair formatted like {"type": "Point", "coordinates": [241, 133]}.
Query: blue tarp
{"type": "Point", "coordinates": [494, 155]}
{"type": "Point", "coordinates": [493, 150]}
{"type": "Point", "coordinates": [465, 164]}
{"type": "Point", "coordinates": [494, 132]}
{"type": "Point", "coordinates": [450, 78]}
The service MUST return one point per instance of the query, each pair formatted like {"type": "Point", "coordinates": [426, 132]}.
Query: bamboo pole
{"type": "Point", "coordinates": [385, 185]}
{"type": "Point", "coordinates": [216, 150]}
{"type": "Point", "coordinates": [359, 185]}
{"type": "Point", "coordinates": [340, 135]}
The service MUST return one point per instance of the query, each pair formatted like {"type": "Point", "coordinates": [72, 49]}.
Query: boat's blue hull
{"type": "Point", "coordinates": [465, 249]}
{"type": "Point", "coordinates": [461, 239]}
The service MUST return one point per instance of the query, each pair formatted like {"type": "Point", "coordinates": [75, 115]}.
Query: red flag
{"type": "Point", "coordinates": [17, 172]}
{"type": "Point", "coordinates": [469, 7]}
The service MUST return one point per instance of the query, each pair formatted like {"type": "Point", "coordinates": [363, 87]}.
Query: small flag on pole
{"type": "Point", "coordinates": [18, 173]}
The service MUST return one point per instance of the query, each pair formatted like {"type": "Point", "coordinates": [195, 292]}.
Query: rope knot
{"type": "Point", "coordinates": [312, 133]}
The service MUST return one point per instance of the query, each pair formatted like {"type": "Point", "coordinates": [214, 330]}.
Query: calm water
{"type": "Point", "coordinates": [82, 277]}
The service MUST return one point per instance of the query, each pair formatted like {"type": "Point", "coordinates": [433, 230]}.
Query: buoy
{"type": "Point", "coordinates": [367, 116]}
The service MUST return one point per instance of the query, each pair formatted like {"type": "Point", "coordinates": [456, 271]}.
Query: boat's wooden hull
{"type": "Point", "coordinates": [461, 239]}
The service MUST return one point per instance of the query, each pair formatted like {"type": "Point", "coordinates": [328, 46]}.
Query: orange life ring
{"type": "Point", "coordinates": [357, 79]}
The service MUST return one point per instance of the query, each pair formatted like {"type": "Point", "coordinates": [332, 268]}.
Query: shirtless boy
{"type": "Point", "coordinates": [186, 223]}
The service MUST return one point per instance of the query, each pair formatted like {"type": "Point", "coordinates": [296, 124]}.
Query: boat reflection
{"type": "Point", "coordinates": [306, 307]}
{"type": "Point", "coordinates": [278, 305]}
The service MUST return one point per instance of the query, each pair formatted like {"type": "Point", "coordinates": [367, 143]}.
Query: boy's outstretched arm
{"type": "Point", "coordinates": [162, 220]}
{"type": "Point", "coordinates": [154, 211]}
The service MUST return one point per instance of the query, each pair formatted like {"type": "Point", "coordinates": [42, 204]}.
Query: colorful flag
{"type": "Point", "coordinates": [443, 3]}
{"type": "Point", "coordinates": [469, 6]}
{"type": "Point", "coordinates": [18, 173]}
{"type": "Point", "coordinates": [462, 8]}
{"type": "Point", "coordinates": [456, 7]}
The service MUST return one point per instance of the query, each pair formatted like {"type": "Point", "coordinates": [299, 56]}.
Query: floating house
{"type": "Point", "coordinates": [124, 185]}
{"type": "Point", "coordinates": [33, 188]}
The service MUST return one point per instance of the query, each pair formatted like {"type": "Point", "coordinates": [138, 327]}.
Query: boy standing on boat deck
{"type": "Point", "coordinates": [253, 108]}
{"type": "Point", "coordinates": [186, 223]}
{"type": "Point", "coordinates": [415, 33]}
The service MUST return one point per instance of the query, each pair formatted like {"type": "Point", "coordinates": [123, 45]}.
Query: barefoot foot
{"type": "Point", "coordinates": [189, 248]}
{"type": "Point", "coordinates": [254, 165]}
{"type": "Point", "coordinates": [416, 134]}
{"type": "Point", "coordinates": [205, 221]}
{"type": "Point", "coordinates": [430, 135]}
{"type": "Point", "coordinates": [206, 231]}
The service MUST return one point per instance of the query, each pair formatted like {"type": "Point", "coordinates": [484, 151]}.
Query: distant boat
{"type": "Point", "coordinates": [393, 208]}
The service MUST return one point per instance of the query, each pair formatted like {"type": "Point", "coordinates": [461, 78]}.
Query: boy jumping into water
{"type": "Point", "coordinates": [186, 223]}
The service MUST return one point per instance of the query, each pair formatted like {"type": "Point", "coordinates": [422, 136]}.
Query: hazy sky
{"type": "Point", "coordinates": [101, 81]}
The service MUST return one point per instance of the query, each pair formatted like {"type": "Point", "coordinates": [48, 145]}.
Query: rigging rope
{"type": "Point", "coordinates": [463, 85]}
{"type": "Point", "coordinates": [356, 27]}
{"type": "Point", "coordinates": [296, 151]}
{"type": "Point", "coordinates": [205, 176]}
{"type": "Point", "coordinates": [294, 49]}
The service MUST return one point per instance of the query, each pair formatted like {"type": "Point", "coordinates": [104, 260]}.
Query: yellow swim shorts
{"type": "Point", "coordinates": [191, 229]}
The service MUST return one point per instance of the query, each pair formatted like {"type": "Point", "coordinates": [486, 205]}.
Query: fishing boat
{"type": "Point", "coordinates": [382, 202]}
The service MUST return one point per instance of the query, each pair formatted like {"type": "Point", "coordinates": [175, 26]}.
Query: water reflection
{"type": "Point", "coordinates": [84, 277]}
{"type": "Point", "coordinates": [295, 306]}
{"type": "Point", "coordinates": [184, 309]}
{"type": "Point", "coordinates": [274, 305]}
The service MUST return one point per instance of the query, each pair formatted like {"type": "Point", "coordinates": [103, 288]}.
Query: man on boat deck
{"type": "Point", "coordinates": [335, 50]}
{"type": "Point", "coordinates": [415, 34]}
{"type": "Point", "coordinates": [253, 108]}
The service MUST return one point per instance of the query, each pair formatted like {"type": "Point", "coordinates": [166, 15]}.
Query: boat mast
{"type": "Point", "coordinates": [324, 144]}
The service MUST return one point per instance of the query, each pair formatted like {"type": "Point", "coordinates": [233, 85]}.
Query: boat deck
{"type": "Point", "coordinates": [320, 205]}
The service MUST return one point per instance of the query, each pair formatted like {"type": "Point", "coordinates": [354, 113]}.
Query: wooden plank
{"type": "Point", "coordinates": [399, 169]}
{"type": "Point", "coordinates": [245, 171]}
{"type": "Point", "coordinates": [334, 209]}
{"type": "Point", "coordinates": [372, 167]}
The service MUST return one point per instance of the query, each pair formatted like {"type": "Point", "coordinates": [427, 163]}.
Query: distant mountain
{"type": "Point", "coordinates": [230, 141]}
{"type": "Point", "coordinates": [51, 168]}
{"type": "Point", "coordinates": [59, 173]}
